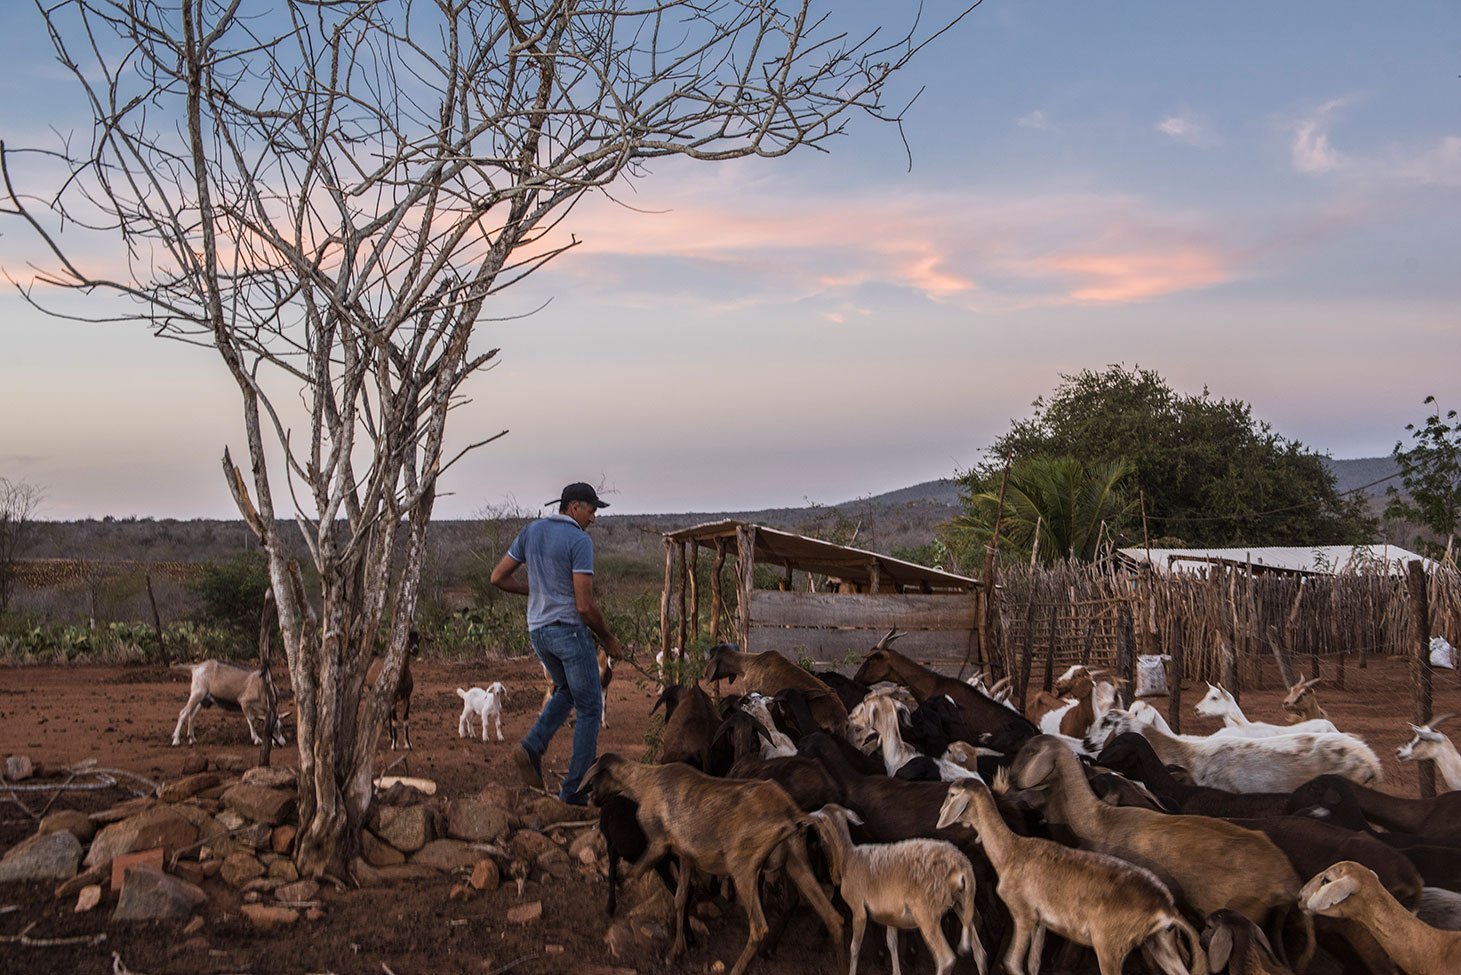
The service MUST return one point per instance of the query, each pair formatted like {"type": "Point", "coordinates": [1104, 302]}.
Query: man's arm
{"type": "Point", "coordinates": [583, 596]}
{"type": "Point", "coordinates": [504, 576]}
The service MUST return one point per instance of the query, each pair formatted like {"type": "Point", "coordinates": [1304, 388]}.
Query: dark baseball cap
{"type": "Point", "coordinates": [579, 491]}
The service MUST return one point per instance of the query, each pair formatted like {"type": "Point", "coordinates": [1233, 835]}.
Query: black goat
{"type": "Point", "coordinates": [1133, 756]}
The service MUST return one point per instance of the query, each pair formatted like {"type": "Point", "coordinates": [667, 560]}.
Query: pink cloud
{"type": "Point", "coordinates": [1137, 276]}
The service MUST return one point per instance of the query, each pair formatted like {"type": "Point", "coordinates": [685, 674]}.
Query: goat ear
{"type": "Point", "coordinates": [1331, 894]}
{"type": "Point", "coordinates": [659, 702]}
{"type": "Point", "coordinates": [954, 807]}
{"type": "Point", "coordinates": [1220, 948]}
{"type": "Point", "coordinates": [1263, 940]}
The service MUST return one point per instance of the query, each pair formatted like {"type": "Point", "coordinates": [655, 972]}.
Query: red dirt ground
{"type": "Point", "coordinates": [123, 717]}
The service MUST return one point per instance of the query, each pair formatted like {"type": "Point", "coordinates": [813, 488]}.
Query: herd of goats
{"type": "Point", "coordinates": [1259, 849]}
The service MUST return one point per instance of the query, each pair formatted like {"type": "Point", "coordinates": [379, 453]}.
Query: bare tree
{"type": "Point", "coordinates": [328, 192]}
{"type": "Point", "coordinates": [19, 502]}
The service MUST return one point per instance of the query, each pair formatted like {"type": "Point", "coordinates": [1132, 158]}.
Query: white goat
{"type": "Point", "coordinates": [883, 712]}
{"type": "Point", "coordinates": [776, 744]}
{"type": "Point", "coordinates": [1278, 764]}
{"type": "Point", "coordinates": [231, 687]}
{"type": "Point", "coordinates": [1220, 703]}
{"type": "Point", "coordinates": [1430, 743]}
{"type": "Point", "coordinates": [910, 884]}
{"type": "Point", "coordinates": [485, 704]}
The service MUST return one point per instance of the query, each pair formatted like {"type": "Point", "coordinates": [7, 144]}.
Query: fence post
{"type": "Point", "coordinates": [1421, 666]}
{"type": "Point", "coordinates": [271, 695]}
{"type": "Point", "coordinates": [1174, 699]}
{"type": "Point", "coordinates": [1125, 647]}
{"type": "Point", "coordinates": [1028, 650]}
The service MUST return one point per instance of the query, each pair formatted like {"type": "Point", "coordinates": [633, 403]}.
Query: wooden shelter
{"type": "Point", "coordinates": [829, 600]}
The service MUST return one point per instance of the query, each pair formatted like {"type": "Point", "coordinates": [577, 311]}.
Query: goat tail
{"type": "Point", "coordinates": [461, 693]}
{"type": "Point", "coordinates": [181, 666]}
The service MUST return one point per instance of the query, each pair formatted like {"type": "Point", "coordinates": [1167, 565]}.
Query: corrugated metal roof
{"type": "Point", "coordinates": [1312, 559]}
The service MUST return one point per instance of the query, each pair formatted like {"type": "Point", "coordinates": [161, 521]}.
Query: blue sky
{"type": "Point", "coordinates": [1264, 199]}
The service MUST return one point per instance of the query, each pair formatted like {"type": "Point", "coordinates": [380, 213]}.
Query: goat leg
{"type": "Point", "coordinates": [800, 872]}
{"type": "Point", "coordinates": [682, 909]}
{"type": "Point", "coordinates": [745, 881]}
{"type": "Point", "coordinates": [406, 723]}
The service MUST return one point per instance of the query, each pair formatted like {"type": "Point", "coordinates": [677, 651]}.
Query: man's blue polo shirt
{"type": "Point", "coordinates": [553, 549]}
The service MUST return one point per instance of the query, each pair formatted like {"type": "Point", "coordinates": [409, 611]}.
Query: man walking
{"type": "Point", "coordinates": [563, 620]}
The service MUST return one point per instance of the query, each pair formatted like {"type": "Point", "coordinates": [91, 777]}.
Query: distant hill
{"type": "Point", "coordinates": [1373, 474]}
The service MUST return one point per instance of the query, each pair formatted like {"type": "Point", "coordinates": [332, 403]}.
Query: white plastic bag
{"type": "Point", "coordinates": [1442, 653]}
{"type": "Point", "coordinates": [1151, 675]}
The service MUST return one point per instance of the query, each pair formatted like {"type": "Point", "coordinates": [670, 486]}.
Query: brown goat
{"type": "Point", "coordinates": [1208, 863]}
{"type": "Point", "coordinates": [690, 725]}
{"type": "Point", "coordinates": [1237, 946]}
{"type": "Point", "coordinates": [1301, 702]}
{"type": "Point", "coordinates": [770, 673]}
{"type": "Point", "coordinates": [727, 828]}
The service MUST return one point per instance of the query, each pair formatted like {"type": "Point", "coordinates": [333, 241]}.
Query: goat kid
{"type": "Point", "coordinates": [907, 885]}
{"type": "Point", "coordinates": [229, 687]}
{"type": "Point", "coordinates": [485, 704]}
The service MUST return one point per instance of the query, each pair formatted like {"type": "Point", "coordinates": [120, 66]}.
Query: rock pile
{"type": "Point", "coordinates": [215, 837]}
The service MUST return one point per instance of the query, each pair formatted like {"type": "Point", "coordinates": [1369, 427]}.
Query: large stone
{"type": "Point", "coordinates": [369, 876]}
{"type": "Point", "coordinates": [233, 763]}
{"type": "Point", "coordinates": [259, 803]}
{"type": "Point", "coordinates": [587, 847]}
{"type": "Point", "coordinates": [379, 853]}
{"type": "Point", "coordinates": [44, 856]}
{"type": "Point", "coordinates": [239, 869]}
{"type": "Point", "coordinates": [186, 788]}
{"type": "Point", "coordinates": [284, 870]}
{"type": "Point", "coordinates": [476, 821]}
{"type": "Point", "coordinates": [123, 810]}
{"type": "Point", "coordinates": [194, 764]}
{"type": "Point", "coordinates": [555, 862]}
{"type": "Point", "coordinates": [525, 913]}
{"type": "Point", "coordinates": [272, 777]}
{"type": "Point", "coordinates": [544, 811]}
{"type": "Point", "coordinates": [151, 895]}
{"type": "Point", "coordinates": [486, 875]}
{"type": "Point", "coordinates": [142, 858]}
{"type": "Point", "coordinates": [446, 855]}
{"type": "Point", "coordinates": [499, 795]}
{"type": "Point", "coordinates": [160, 826]}
{"type": "Point", "coordinates": [18, 767]}
{"type": "Point", "coordinates": [92, 875]}
{"type": "Point", "coordinates": [527, 844]}
{"type": "Point", "coordinates": [300, 890]}
{"type": "Point", "coordinates": [210, 830]}
{"type": "Point", "coordinates": [78, 824]}
{"type": "Point", "coordinates": [269, 915]}
{"type": "Point", "coordinates": [407, 828]}
{"type": "Point", "coordinates": [281, 838]}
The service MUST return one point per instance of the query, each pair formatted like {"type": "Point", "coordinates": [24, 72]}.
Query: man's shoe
{"type": "Point", "coordinates": [529, 767]}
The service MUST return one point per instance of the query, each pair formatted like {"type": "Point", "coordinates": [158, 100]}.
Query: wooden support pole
{"type": "Point", "coordinates": [682, 629]}
{"type": "Point", "coordinates": [664, 598]}
{"type": "Point", "coordinates": [694, 576]}
{"type": "Point", "coordinates": [875, 576]}
{"type": "Point", "coordinates": [1028, 651]}
{"type": "Point", "coordinates": [271, 695]}
{"type": "Point", "coordinates": [746, 581]}
{"type": "Point", "coordinates": [1178, 673]}
{"type": "Point", "coordinates": [717, 586]}
{"type": "Point", "coordinates": [986, 588]}
{"type": "Point", "coordinates": [156, 617]}
{"type": "Point", "coordinates": [1421, 665]}
{"type": "Point", "coordinates": [1126, 647]}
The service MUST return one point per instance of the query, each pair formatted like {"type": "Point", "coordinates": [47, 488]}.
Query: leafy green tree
{"type": "Point", "coordinates": [1431, 471]}
{"type": "Point", "coordinates": [1066, 504]}
{"type": "Point", "coordinates": [1211, 473]}
{"type": "Point", "coordinates": [231, 594]}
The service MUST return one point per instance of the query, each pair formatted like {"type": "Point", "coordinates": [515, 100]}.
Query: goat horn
{"type": "Point", "coordinates": [1436, 721]}
{"type": "Point", "coordinates": [887, 639]}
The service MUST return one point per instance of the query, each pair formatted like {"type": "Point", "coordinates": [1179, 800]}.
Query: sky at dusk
{"type": "Point", "coordinates": [1263, 199]}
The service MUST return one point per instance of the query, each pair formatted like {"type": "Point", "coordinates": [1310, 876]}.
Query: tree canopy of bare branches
{"type": "Point", "coordinates": [19, 502]}
{"type": "Point", "coordinates": [329, 192]}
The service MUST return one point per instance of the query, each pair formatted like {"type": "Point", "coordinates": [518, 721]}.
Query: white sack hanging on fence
{"type": "Point", "coordinates": [1151, 674]}
{"type": "Point", "coordinates": [1442, 653]}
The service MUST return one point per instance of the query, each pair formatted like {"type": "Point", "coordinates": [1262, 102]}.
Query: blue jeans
{"type": "Point", "coordinates": [568, 652]}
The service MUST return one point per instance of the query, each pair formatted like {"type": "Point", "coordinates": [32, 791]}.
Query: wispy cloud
{"type": "Point", "coordinates": [969, 250]}
{"type": "Point", "coordinates": [1310, 150]}
{"type": "Point", "coordinates": [1187, 129]}
{"type": "Point", "coordinates": [1034, 120]}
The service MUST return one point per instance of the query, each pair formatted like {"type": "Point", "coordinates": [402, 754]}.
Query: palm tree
{"type": "Point", "coordinates": [1057, 500]}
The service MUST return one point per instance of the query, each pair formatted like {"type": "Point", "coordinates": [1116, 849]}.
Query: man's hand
{"type": "Point", "coordinates": [613, 649]}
